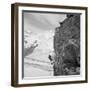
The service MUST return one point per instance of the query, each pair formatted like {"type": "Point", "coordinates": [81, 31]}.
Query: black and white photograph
{"type": "Point", "coordinates": [49, 44]}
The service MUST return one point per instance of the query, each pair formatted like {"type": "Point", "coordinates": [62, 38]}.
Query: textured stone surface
{"type": "Point", "coordinates": [67, 44]}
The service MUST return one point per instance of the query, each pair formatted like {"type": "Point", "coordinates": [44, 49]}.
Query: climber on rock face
{"type": "Point", "coordinates": [51, 57]}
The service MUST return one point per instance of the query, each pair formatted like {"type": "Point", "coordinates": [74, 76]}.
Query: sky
{"type": "Point", "coordinates": [41, 27]}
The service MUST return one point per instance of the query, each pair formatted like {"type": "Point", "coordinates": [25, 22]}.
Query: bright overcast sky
{"type": "Point", "coordinates": [40, 27]}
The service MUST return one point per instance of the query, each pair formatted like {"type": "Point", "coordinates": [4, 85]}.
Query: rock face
{"type": "Point", "coordinates": [67, 46]}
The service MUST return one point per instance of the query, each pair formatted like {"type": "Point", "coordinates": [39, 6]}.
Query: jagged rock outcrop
{"type": "Point", "coordinates": [67, 45]}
